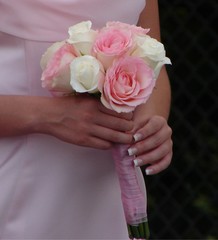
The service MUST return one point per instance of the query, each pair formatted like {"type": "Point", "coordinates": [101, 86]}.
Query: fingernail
{"type": "Point", "coordinates": [137, 137]}
{"type": "Point", "coordinates": [149, 171]}
{"type": "Point", "coordinates": [132, 151]}
{"type": "Point", "coordinates": [137, 162]}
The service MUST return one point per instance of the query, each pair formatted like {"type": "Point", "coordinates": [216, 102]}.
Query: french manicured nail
{"type": "Point", "coordinates": [149, 171]}
{"type": "Point", "coordinates": [137, 137]}
{"type": "Point", "coordinates": [132, 151]}
{"type": "Point", "coordinates": [137, 162]}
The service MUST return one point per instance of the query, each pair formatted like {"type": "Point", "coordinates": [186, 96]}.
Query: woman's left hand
{"type": "Point", "coordinates": [153, 145]}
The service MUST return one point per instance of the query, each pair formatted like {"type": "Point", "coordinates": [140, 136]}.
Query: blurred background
{"type": "Point", "coordinates": [183, 200]}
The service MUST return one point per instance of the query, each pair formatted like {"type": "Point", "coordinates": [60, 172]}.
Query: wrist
{"type": "Point", "coordinates": [43, 115]}
{"type": "Point", "coordinates": [22, 115]}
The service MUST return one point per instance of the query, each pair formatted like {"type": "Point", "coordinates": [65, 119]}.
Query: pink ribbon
{"type": "Point", "coordinates": [133, 197]}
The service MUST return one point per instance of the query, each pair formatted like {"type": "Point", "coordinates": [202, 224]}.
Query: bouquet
{"type": "Point", "coordinates": [119, 63]}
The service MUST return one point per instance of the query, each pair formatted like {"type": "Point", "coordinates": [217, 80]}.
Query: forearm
{"type": "Point", "coordinates": [152, 134]}
{"type": "Point", "coordinates": [20, 115]}
{"type": "Point", "coordinates": [159, 101]}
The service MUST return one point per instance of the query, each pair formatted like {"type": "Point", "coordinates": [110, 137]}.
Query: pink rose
{"type": "Point", "coordinates": [133, 28]}
{"type": "Point", "coordinates": [55, 64]}
{"type": "Point", "coordinates": [111, 43]}
{"type": "Point", "coordinates": [128, 83]}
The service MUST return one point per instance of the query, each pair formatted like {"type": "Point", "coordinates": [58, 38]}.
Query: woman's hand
{"type": "Point", "coordinates": [153, 145]}
{"type": "Point", "coordinates": [86, 122]}
{"type": "Point", "coordinates": [80, 120]}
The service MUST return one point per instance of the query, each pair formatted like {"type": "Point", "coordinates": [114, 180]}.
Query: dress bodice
{"type": "Point", "coordinates": [48, 20]}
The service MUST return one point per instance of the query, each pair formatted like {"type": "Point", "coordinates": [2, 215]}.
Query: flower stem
{"type": "Point", "coordinates": [135, 232]}
{"type": "Point", "coordinates": [146, 229]}
{"type": "Point", "coordinates": [140, 231]}
{"type": "Point", "coordinates": [129, 231]}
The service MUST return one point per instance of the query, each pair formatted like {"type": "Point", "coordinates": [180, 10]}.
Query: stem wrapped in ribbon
{"type": "Point", "coordinates": [133, 196]}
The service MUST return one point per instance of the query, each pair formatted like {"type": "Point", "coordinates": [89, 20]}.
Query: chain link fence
{"type": "Point", "coordinates": [182, 201]}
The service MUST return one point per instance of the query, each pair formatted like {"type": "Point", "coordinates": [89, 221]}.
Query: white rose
{"type": "Point", "coordinates": [152, 51]}
{"type": "Point", "coordinates": [55, 63]}
{"type": "Point", "coordinates": [86, 72]}
{"type": "Point", "coordinates": [46, 57]}
{"type": "Point", "coordinates": [82, 37]}
{"type": "Point", "coordinates": [149, 47]}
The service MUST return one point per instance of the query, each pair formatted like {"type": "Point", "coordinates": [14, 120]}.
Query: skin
{"type": "Point", "coordinates": [154, 146]}
{"type": "Point", "coordinates": [81, 120]}
{"type": "Point", "coordinates": [84, 121]}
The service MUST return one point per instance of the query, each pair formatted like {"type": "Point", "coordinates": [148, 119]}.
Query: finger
{"type": "Point", "coordinates": [114, 123]}
{"type": "Point", "coordinates": [99, 143]}
{"type": "Point", "coordinates": [94, 142]}
{"type": "Point", "coordinates": [127, 116]}
{"type": "Point", "coordinates": [152, 141]}
{"type": "Point", "coordinates": [79, 138]}
{"type": "Point", "coordinates": [152, 126]}
{"type": "Point", "coordinates": [111, 135]}
{"type": "Point", "coordinates": [155, 154]}
{"type": "Point", "coordinates": [159, 166]}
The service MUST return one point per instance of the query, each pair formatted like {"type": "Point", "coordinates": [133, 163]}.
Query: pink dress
{"type": "Point", "coordinates": [50, 189]}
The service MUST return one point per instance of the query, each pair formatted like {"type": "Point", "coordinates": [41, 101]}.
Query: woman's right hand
{"type": "Point", "coordinates": [84, 121]}
{"type": "Point", "coordinates": [80, 120]}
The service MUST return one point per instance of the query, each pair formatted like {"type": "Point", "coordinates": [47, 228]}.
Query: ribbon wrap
{"type": "Point", "coordinates": [133, 197]}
